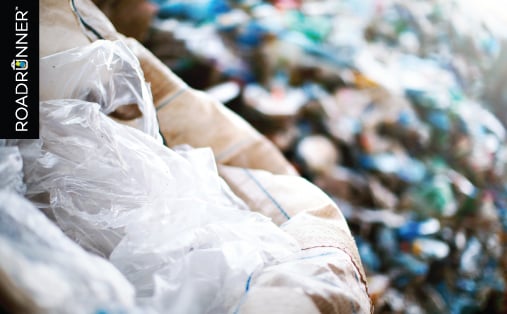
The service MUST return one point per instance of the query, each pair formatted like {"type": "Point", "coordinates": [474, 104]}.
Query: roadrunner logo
{"type": "Point", "coordinates": [19, 64]}
{"type": "Point", "coordinates": [19, 116]}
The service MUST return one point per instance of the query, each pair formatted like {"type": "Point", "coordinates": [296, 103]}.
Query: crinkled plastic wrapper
{"type": "Point", "coordinates": [42, 270]}
{"type": "Point", "coordinates": [11, 166]}
{"type": "Point", "coordinates": [162, 216]}
{"type": "Point", "coordinates": [105, 72]}
{"type": "Point", "coordinates": [57, 274]}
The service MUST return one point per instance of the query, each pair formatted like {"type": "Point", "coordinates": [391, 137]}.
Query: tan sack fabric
{"type": "Point", "coordinates": [321, 280]}
{"type": "Point", "coordinates": [13, 299]}
{"type": "Point", "coordinates": [305, 212]}
{"type": "Point", "coordinates": [190, 116]}
{"type": "Point", "coordinates": [66, 24]}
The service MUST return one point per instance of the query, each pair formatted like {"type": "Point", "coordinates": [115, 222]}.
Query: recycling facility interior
{"type": "Point", "coordinates": [395, 108]}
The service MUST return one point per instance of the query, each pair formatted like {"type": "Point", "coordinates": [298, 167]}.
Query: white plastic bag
{"type": "Point", "coordinates": [105, 72]}
{"type": "Point", "coordinates": [42, 270]}
{"type": "Point", "coordinates": [164, 218]}
{"type": "Point", "coordinates": [57, 274]}
{"type": "Point", "coordinates": [11, 166]}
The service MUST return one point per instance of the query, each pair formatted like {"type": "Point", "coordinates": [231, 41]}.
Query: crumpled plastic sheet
{"type": "Point", "coordinates": [162, 216]}
{"type": "Point", "coordinates": [106, 72]}
{"type": "Point", "coordinates": [11, 166]}
{"type": "Point", "coordinates": [57, 274]}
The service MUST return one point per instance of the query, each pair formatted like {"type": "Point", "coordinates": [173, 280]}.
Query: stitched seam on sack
{"type": "Point", "coordinates": [171, 98]}
{"type": "Point", "coordinates": [318, 255]}
{"type": "Point", "coordinates": [272, 199]}
{"type": "Point", "coordinates": [344, 249]}
{"type": "Point", "coordinates": [227, 153]}
{"type": "Point", "coordinates": [361, 279]}
{"type": "Point", "coordinates": [86, 25]}
{"type": "Point", "coordinates": [247, 287]}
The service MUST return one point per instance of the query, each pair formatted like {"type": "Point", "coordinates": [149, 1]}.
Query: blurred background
{"type": "Point", "coordinates": [396, 109]}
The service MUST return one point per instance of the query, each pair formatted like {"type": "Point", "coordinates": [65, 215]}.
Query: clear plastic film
{"type": "Point", "coordinates": [105, 72]}
{"type": "Point", "coordinates": [11, 166]}
{"type": "Point", "coordinates": [56, 274]}
{"type": "Point", "coordinates": [163, 217]}
{"type": "Point", "coordinates": [42, 270]}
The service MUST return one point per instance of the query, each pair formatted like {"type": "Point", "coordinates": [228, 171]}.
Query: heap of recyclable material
{"type": "Point", "coordinates": [384, 105]}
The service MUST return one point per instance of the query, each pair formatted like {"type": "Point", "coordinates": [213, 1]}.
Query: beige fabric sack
{"type": "Point", "coordinates": [328, 276]}
{"type": "Point", "coordinates": [190, 116]}
{"type": "Point", "coordinates": [305, 212]}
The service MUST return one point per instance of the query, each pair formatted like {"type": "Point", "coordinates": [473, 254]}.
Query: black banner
{"type": "Point", "coordinates": [19, 113]}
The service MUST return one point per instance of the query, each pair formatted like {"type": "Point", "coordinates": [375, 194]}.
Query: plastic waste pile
{"type": "Point", "coordinates": [384, 105]}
